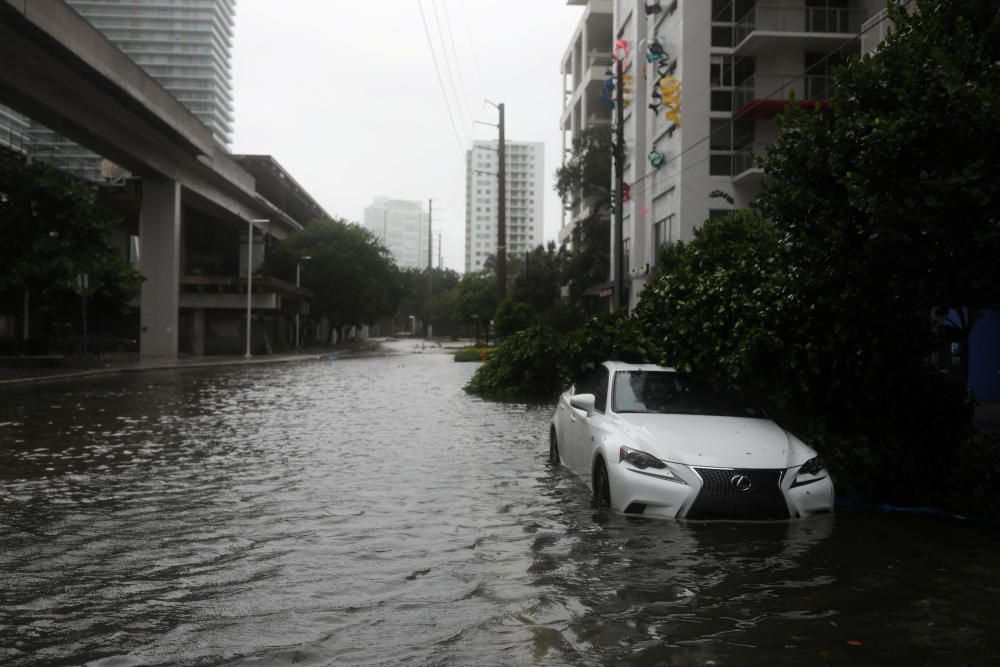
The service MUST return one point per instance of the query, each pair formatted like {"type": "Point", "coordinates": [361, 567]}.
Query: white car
{"type": "Point", "coordinates": [648, 442]}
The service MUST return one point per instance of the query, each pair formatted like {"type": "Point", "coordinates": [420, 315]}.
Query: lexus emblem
{"type": "Point", "coordinates": [741, 483]}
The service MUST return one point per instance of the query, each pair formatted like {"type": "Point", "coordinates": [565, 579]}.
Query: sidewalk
{"type": "Point", "coordinates": [77, 367]}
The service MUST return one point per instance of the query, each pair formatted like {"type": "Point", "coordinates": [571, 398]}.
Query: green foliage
{"type": "Point", "coordinates": [536, 363]}
{"type": "Point", "coordinates": [536, 279]}
{"type": "Point", "coordinates": [352, 276]}
{"type": "Point", "coordinates": [523, 367]}
{"type": "Point", "coordinates": [587, 173]}
{"type": "Point", "coordinates": [513, 316]}
{"type": "Point", "coordinates": [54, 227]}
{"type": "Point", "coordinates": [609, 336]}
{"type": "Point", "coordinates": [716, 303]}
{"type": "Point", "coordinates": [586, 179]}
{"type": "Point", "coordinates": [472, 354]}
{"type": "Point", "coordinates": [975, 478]}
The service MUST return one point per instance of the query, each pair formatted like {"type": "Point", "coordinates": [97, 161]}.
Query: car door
{"type": "Point", "coordinates": [581, 426]}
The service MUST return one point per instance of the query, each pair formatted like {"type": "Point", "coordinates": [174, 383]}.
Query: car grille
{"type": "Point", "coordinates": [720, 499]}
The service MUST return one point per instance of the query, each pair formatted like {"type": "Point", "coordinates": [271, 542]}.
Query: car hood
{"type": "Point", "coordinates": [725, 442]}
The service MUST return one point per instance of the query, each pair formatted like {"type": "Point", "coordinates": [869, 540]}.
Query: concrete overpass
{"type": "Point", "coordinates": [62, 72]}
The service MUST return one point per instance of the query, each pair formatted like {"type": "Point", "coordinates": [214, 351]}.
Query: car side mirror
{"type": "Point", "coordinates": [583, 402]}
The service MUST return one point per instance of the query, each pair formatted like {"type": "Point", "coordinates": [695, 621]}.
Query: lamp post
{"type": "Point", "coordinates": [298, 282]}
{"type": "Point", "coordinates": [250, 276]}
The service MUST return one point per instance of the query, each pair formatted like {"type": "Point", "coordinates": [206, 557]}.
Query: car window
{"type": "Point", "coordinates": [600, 389]}
{"type": "Point", "coordinates": [666, 392]}
{"type": "Point", "coordinates": [596, 383]}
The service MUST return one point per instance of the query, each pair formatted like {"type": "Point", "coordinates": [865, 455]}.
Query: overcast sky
{"type": "Point", "coordinates": [344, 94]}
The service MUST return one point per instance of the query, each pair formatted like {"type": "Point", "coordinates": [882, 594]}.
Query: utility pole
{"type": "Point", "coordinates": [440, 259]}
{"type": "Point", "coordinates": [619, 295]}
{"type": "Point", "coordinates": [430, 258]}
{"type": "Point", "coordinates": [502, 211]}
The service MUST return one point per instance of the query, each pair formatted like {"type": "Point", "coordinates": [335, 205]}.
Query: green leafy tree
{"type": "Point", "coordinates": [54, 227]}
{"type": "Point", "coordinates": [435, 306]}
{"type": "Point", "coordinates": [715, 306]}
{"type": "Point", "coordinates": [513, 316]}
{"type": "Point", "coordinates": [585, 179]}
{"type": "Point", "coordinates": [352, 275]}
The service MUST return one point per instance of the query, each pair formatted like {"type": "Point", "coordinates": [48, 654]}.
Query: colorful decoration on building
{"type": "Point", "coordinates": [620, 52]}
{"type": "Point", "coordinates": [656, 158]}
{"type": "Point", "coordinates": [670, 96]}
{"type": "Point", "coordinates": [654, 51]}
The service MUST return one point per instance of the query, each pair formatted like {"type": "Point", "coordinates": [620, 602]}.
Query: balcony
{"type": "Point", "coordinates": [745, 169]}
{"type": "Point", "coordinates": [799, 28]}
{"type": "Point", "coordinates": [763, 96]}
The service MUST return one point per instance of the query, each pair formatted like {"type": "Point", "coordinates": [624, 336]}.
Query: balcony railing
{"type": "Point", "coordinates": [800, 19]}
{"type": "Point", "coordinates": [781, 86]}
{"type": "Point", "coordinates": [744, 160]}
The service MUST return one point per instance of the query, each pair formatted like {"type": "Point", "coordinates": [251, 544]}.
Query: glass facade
{"type": "Point", "coordinates": [186, 45]}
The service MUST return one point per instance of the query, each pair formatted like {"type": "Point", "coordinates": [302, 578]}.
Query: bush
{"type": "Point", "coordinates": [975, 478]}
{"type": "Point", "coordinates": [513, 316]}
{"type": "Point", "coordinates": [472, 354]}
{"type": "Point", "coordinates": [523, 367]}
{"type": "Point", "coordinates": [537, 363]}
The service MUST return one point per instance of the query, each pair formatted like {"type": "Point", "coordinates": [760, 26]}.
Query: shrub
{"type": "Point", "coordinates": [513, 316]}
{"type": "Point", "coordinates": [524, 366]}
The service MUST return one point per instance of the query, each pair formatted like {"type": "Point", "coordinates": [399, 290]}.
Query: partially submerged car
{"type": "Point", "coordinates": [647, 441]}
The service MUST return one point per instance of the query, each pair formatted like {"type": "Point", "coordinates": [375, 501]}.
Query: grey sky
{"type": "Point", "coordinates": [344, 94]}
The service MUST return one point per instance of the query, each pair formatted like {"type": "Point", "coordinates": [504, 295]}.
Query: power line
{"type": "Point", "coordinates": [454, 51]}
{"type": "Point", "coordinates": [448, 65]}
{"type": "Point", "coordinates": [437, 69]}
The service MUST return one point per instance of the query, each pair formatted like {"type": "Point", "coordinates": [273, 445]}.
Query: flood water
{"type": "Point", "coordinates": [367, 511]}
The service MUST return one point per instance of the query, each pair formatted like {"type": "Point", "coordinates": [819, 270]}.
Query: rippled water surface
{"type": "Point", "coordinates": [367, 511]}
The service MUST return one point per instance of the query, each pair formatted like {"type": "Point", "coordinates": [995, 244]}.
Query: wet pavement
{"type": "Point", "coordinates": [367, 511]}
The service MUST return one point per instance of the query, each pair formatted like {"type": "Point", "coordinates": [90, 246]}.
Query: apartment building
{"type": "Point", "coordinates": [401, 226]}
{"type": "Point", "coordinates": [735, 64]}
{"type": "Point", "coordinates": [583, 69]}
{"type": "Point", "coordinates": [525, 168]}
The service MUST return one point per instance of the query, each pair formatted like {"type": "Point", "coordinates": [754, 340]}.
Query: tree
{"type": "Point", "coordinates": [901, 176]}
{"type": "Point", "coordinates": [586, 179]}
{"type": "Point", "coordinates": [351, 274]}
{"type": "Point", "coordinates": [713, 308]}
{"type": "Point", "coordinates": [435, 306]}
{"type": "Point", "coordinates": [54, 228]}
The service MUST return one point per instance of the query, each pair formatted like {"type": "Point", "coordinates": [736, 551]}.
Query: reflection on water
{"type": "Point", "coordinates": [368, 511]}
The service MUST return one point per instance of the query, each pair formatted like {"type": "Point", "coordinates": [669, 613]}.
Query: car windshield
{"type": "Point", "coordinates": [666, 392]}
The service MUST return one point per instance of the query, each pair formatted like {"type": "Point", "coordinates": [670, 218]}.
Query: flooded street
{"type": "Point", "coordinates": [367, 511]}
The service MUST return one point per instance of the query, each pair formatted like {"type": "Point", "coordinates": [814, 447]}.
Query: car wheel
{"type": "Point", "coordinates": [553, 448]}
{"type": "Point", "coordinates": [602, 486]}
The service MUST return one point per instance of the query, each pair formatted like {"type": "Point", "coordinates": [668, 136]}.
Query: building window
{"type": "Point", "coordinates": [661, 231]}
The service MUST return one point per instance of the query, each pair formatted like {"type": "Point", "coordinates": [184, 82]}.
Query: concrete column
{"type": "Point", "coordinates": [159, 263]}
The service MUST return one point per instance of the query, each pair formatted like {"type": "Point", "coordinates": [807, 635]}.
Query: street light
{"type": "Point", "coordinates": [250, 276]}
{"type": "Point", "coordinates": [298, 276]}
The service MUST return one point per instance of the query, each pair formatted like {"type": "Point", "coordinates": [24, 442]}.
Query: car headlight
{"type": "Point", "coordinates": [813, 466]}
{"type": "Point", "coordinates": [811, 471]}
{"type": "Point", "coordinates": [640, 460]}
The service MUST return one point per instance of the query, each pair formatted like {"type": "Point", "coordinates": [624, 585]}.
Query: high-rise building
{"type": "Point", "coordinates": [14, 131]}
{"type": "Point", "coordinates": [401, 226]}
{"type": "Point", "coordinates": [583, 69]}
{"type": "Point", "coordinates": [186, 46]}
{"type": "Point", "coordinates": [722, 71]}
{"type": "Point", "coordinates": [525, 167]}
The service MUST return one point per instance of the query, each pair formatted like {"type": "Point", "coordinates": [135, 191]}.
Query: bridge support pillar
{"type": "Point", "coordinates": [159, 263]}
